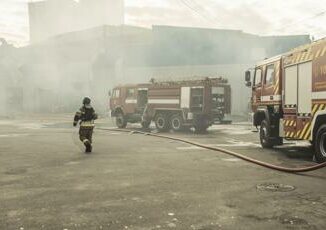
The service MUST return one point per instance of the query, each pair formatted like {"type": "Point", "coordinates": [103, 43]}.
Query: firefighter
{"type": "Point", "coordinates": [86, 115]}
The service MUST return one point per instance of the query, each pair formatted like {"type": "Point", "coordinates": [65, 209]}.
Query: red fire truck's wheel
{"type": "Point", "coordinates": [161, 122]}
{"type": "Point", "coordinates": [201, 129]}
{"type": "Point", "coordinates": [176, 122]}
{"type": "Point", "coordinates": [121, 121]}
{"type": "Point", "coordinates": [320, 144]}
{"type": "Point", "coordinates": [265, 140]}
{"type": "Point", "coordinates": [201, 125]}
{"type": "Point", "coordinates": [145, 124]}
{"type": "Point", "coordinates": [279, 141]}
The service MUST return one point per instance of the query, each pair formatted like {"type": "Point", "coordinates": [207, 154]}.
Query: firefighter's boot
{"type": "Point", "coordinates": [88, 146]}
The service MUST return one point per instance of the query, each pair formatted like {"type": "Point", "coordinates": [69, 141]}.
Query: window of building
{"type": "Point", "coordinates": [258, 76]}
{"type": "Point", "coordinates": [270, 75]}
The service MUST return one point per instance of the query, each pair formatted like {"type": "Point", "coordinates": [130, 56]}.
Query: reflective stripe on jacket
{"type": "Point", "coordinates": [87, 124]}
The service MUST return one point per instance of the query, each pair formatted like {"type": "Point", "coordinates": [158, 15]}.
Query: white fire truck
{"type": "Point", "coordinates": [289, 97]}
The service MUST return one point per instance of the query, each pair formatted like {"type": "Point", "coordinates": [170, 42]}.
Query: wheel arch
{"type": "Point", "coordinates": [318, 120]}
{"type": "Point", "coordinates": [116, 111]}
{"type": "Point", "coordinates": [260, 115]}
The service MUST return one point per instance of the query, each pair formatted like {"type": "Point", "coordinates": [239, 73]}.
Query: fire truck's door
{"type": "Point", "coordinates": [297, 87]}
{"type": "Point", "coordinates": [142, 98]}
{"type": "Point", "coordinates": [297, 101]}
{"type": "Point", "coordinates": [304, 88]}
{"type": "Point", "coordinates": [185, 97]}
{"type": "Point", "coordinates": [257, 87]}
{"type": "Point", "coordinates": [291, 87]}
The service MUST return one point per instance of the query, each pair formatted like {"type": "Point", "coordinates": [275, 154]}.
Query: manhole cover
{"type": "Point", "coordinates": [275, 187]}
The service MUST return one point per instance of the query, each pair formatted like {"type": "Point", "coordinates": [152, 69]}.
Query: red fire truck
{"type": "Point", "coordinates": [289, 97]}
{"type": "Point", "coordinates": [172, 104]}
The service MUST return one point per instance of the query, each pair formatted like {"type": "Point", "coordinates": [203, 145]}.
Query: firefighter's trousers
{"type": "Point", "coordinates": [86, 133]}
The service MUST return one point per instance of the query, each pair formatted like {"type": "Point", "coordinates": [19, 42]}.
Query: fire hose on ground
{"type": "Point", "coordinates": [238, 155]}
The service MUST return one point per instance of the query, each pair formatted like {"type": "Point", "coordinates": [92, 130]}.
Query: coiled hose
{"type": "Point", "coordinates": [238, 155]}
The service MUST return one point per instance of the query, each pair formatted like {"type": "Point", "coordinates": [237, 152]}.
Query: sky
{"type": "Point", "coordinates": [262, 17]}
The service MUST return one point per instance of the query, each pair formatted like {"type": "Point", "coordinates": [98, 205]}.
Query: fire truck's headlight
{"type": "Point", "coordinates": [190, 116]}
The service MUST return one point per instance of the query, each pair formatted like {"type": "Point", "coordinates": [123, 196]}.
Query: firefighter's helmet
{"type": "Point", "coordinates": [86, 101]}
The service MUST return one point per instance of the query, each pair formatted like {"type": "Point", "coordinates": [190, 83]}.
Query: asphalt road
{"type": "Point", "coordinates": [132, 181]}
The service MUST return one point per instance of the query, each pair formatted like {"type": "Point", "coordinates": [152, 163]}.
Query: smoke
{"type": "Point", "coordinates": [70, 57]}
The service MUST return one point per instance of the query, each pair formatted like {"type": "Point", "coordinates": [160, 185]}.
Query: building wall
{"type": "Point", "coordinates": [65, 68]}
{"type": "Point", "coordinates": [201, 46]}
{"type": "Point", "coordinates": [52, 17]}
{"type": "Point", "coordinates": [11, 89]}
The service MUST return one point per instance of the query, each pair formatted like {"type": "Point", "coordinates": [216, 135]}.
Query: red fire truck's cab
{"type": "Point", "coordinates": [127, 103]}
{"type": "Point", "coordinates": [266, 99]}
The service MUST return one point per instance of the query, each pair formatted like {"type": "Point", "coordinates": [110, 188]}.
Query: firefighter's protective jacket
{"type": "Point", "coordinates": [86, 115]}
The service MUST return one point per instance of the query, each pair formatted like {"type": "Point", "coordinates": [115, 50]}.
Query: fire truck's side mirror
{"type": "Point", "coordinates": [247, 76]}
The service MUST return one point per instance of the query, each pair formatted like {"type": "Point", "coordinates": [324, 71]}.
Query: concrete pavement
{"type": "Point", "coordinates": [133, 181]}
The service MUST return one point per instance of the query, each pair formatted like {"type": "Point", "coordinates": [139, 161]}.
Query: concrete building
{"type": "Point", "coordinates": [61, 70]}
{"type": "Point", "coordinates": [53, 17]}
{"type": "Point", "coordinates": [81, 47]}
{"type": "Point", "coordinates": [180, 52]}
{"type": "Point", "coordinates": [11, 81]}
{"type": "Point", "coordinates": [69, 66]}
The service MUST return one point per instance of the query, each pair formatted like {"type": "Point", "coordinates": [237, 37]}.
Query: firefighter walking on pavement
{"type": "Point", "coordinates": [86, 115]}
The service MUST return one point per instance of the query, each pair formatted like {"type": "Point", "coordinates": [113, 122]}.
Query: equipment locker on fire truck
{"type": "Point", "coordinates": [289, 97]}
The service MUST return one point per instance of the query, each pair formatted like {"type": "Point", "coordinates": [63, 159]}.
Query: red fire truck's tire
{"type": "Point", "coordinates": [201, 125]}
{"type": "Point", "coordinates": [161, 122]}
{"type": "Point", "coordinates": [200, 129]}
{"type": "Point", "coordinates": [264, 134]}
{"type": "Point", "coordinates": [320, 144]}
{"type": "Point", "coordinates": [220, 118]}
{"type": "Point", "coordinates": [176, 122]}
{"type": "Point", "coordinates": [279, 141]}
{"type": "Point", "coordinates": [145, 124]}
{"type": "Point", "coordinates": [121, 121]}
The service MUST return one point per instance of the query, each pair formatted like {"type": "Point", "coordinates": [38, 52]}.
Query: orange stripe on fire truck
{"type": "Point", "coordinates": [301, 133]}
{"type": "Point", "coordinates": [307, 55]}
{"type": "Point", "coordinates": [277, 84]}
{"type": "Point", "coordinates": [318, 107]}
{"type": "Point", "coordinates": [306, 131]}
{"type": "Point", "coordinates": [289, 134]}
{"type": "Point", "coordinates": [318, 52]}
{"type": "Point", "coordinates": [303, 56]}
{"type": "Point", "coordinates": [323, 52]}
{"type": "Point", "coordinates": [314, 109]}
{"type": "Point", "coordinates": [290, 123]}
